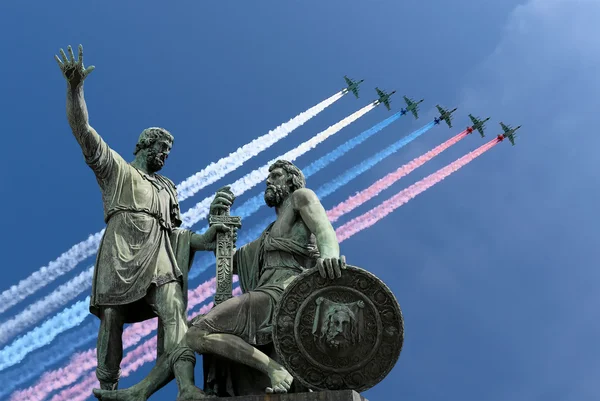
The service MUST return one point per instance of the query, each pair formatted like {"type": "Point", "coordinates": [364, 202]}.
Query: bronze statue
{"type": "Point", "coordinates": [137, 275]}
{"type": "Point", "coordinates": [236, 328]}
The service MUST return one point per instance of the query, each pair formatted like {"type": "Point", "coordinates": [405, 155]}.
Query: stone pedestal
{"type": "Point", "coordinates": [342, 395]}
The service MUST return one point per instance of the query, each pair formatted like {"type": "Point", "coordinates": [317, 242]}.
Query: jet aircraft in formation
{"type": "Point", "coordinates": [478, 125]}
{"type": "Point", "coordinates": [352, 85]}
{"type": "Point", "coordinates": [411, 106]}
{"type": "Point", "coordinates": [509, 133]}
{"type": "Point", "coordinates": [445, 116]}
{"type": "Point", "coordinates": [383, 98]}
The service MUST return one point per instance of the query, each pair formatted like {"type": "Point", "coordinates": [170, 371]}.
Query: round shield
{"type": "Point", "coordinates": [345, 333]}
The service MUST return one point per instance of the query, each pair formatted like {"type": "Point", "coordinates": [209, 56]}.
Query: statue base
{"type": "Point", "coordinates": [342, 395]}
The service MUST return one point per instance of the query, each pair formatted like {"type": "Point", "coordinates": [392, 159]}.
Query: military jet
{"type": "Point", "coordinates": [445, 116]}
{"type": "Point", "coordinates": [478, 125]}
{"type": "Point", "coordinates": [509, 133]}
{"type": "Point", "coordinates": [411, 106]}
{"type": "Point", "coordinates": [352, 86]}
{"type": "Point", "coordinates": [383, 98]}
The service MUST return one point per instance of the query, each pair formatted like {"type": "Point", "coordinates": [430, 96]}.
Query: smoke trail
{"type": "Point", "coordinates": [375, 189]}
{"type": "Point", "coordinates": [144, 353]}
{"type": "Point", "coordinates": [37, 363]}
{"type": "Point", "coordinates": [86, 360]}
{"type": "Point", "coordinates": [355, 171]}
{"type": "Point", "coordinates": [42, 307]}
{"type": "Point", "coordinates": [50, 329]}
{"type": "Point", "coordinates": [214, 171]}
{"type": "Point", "coordinates": [44, 276]}
{"type": "Point", "coordinates": [379, 212]}
{"type": "Point", "coordinates": [254, 204]}
{"type": "Point", "coordinates": [218, 170]}
{"type": "Point", "coordinates": [200, 210]}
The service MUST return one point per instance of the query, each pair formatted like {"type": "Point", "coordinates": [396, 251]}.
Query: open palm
{"type": "Point", "coordinates": [73, 70]}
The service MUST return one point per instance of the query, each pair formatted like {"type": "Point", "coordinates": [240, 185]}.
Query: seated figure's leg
{"type": "Point", "coordinates": [222, 330]}
{"type": "Point", "coordinates": [109, 348]}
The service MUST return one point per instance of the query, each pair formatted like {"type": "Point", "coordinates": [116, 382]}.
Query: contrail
{"type": "Point", "coordinates": [255, 203]}
{"type": "Point", "coordinates": [42, 307]}
{"type": "Point", "coordinates": [83, 361]}
{"type": "Point", "coordinates": [68, 318]}
{"type": "Point", "coordinates": [218, 170]}
{"type": "Point", "coordinates": [133, 360]}
{"type": "Point", "coordinates": [47, 274]}
{"type": "Point", "coordinates": [355, 171]}
{"type": "Point", "coordinates": [355, 201]}
{"type": "Point", "coordinates": [190, 186]}
{"type": "Point", "coordinates": [47, 357]}
{"type": "Point", "coordinates": [200, 210]}
{"type": "Point", "coordinates": [379, 212]}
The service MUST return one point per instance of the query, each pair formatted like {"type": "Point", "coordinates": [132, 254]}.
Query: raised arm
{"type": "Point", "coordinates": [97, 154]}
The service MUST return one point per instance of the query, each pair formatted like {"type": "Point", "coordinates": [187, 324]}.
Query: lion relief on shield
{"type": "Point", "coordinates": [338, 326]}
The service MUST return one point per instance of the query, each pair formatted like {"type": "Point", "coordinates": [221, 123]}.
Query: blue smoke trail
{"type": "Point", "coordinates": [355, 171]}
{"type": "Point", "coordinates": [255, 203]}
{"type": "Point", "coordinates": [37, 363]}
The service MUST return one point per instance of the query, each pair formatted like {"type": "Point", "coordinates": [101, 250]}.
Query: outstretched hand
{"type": "Point", "coordinates": [331, 267]}
{"type": "Point", "coordinates": [73, 70]}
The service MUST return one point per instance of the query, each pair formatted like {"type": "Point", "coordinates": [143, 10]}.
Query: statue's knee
{"type": "Point", "coordinates": [195, 338]}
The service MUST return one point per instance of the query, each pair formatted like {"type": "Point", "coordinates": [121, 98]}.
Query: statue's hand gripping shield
{"type": "Point", "coordinates": [345, 333]}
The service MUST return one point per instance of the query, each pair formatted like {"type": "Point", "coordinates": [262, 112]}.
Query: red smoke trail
{"type": "Point", "coordinates": [379, 212]}
{"type": "Point", "coordinates": [355, 201]}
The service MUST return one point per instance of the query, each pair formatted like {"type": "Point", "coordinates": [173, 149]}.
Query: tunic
{"type": "Point", "coordinates": [265, 267]}
{"type": "Point", "coordinates": [135, 252]}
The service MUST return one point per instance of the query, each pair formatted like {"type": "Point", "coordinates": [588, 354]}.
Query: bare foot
{"type": "Point", "coordinates": [190, 393]}
{"type": "Point", "coordinates": [118, 395]}
{"type": "Point", "coordinates": [281, 381]}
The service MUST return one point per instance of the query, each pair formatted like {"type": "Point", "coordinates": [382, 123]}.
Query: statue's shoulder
{"type": "Point", "coordinates": [304, 196]}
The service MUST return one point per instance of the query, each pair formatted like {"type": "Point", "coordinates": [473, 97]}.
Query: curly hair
{"type": "Point", "coordinates": [295, 176]}
{"type": "Point", "coordinates": [149, 136]}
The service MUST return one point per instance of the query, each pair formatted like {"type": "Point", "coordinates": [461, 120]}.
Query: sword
{"type": "Point", "coordinates": [224, 254]}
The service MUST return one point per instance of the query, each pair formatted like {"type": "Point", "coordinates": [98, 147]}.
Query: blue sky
{"type": "Point", "coordinates": [494, 268]}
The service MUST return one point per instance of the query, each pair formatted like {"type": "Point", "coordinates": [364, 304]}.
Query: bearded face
{"type": "Point", "coordinates": [338, 326]}
{"type": "Point", "coordinates": [276, 194]}
{"type": "Point", "coordinates": [278, 188]}
{"type": "Point", "coordinates": [157, 155]}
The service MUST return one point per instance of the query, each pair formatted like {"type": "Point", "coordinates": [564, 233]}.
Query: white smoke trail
{"type": "Point", "coordinates": [42, 307]}
{"type": "Point", "coordinates": [216, 170]}
{"type": "Point", "coordinates": [44, 276]}
{"type": "Point", "coordinates": [200, 210]}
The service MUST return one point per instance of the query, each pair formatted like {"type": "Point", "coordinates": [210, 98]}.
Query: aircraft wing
{"type": "Point", "coordinates": [355, 91]}
{"type": "Point", "coordinates": [440, 109]}
{"type": "Point", "coordinates": [387, 104]}
{"type": "Point", "coordinates": [408, 101]}
{"type": "Point", "coordinates": [348, 80]}
{"type": "Point", "coordinates": [474, 120]}
{"type": "Point", "coordinates": [415, 111]}
{"type": "Point", "coordinates": [480, 129]}
{"type": "Point", "coordinates": [504, 127]}
{"type": "Point", "coordinates": [379, 92]}
{"type": "Point", "coordinates": [448, 120]}
{"type": "Point", "coordinates": [511, 138]}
